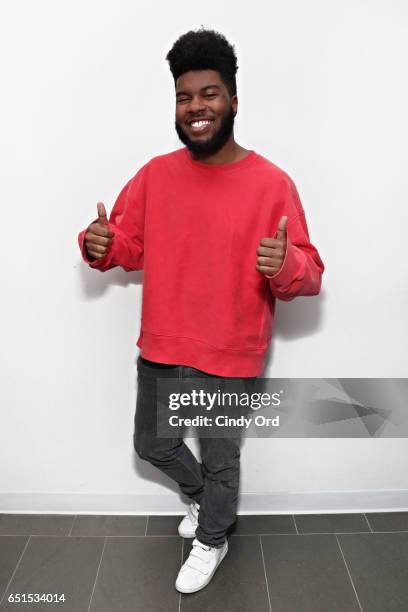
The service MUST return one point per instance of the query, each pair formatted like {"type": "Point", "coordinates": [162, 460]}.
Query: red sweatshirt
{"type": "Point", "coordinates": [194, 228]}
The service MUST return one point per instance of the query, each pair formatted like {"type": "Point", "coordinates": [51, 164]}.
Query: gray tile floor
{"type": "Point", "coordinates": [299, 563]}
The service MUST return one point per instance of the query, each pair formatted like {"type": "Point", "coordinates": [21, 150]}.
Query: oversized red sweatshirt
{"type": "Point", "coordinates": [194, 228]}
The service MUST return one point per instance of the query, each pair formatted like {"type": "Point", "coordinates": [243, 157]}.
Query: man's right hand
{"type": "Point", "coordinates": [98, 236]}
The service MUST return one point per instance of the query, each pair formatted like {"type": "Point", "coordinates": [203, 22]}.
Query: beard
{"type": "Point", "coordinates": [211, 145]}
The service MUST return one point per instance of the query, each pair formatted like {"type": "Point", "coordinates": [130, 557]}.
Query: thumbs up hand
{"type": "Point", "coordinates": [98, 237]}
{"type": "Point", "coordinates": [271, 251]}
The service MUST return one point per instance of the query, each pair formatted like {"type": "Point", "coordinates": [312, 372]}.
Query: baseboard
{"type": "Point", "coordinates": [317, 502]}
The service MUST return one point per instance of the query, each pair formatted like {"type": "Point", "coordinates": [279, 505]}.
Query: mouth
{"type": "Point", "coordinates": [199, 126]}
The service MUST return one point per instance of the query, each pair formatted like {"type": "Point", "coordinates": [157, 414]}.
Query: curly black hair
{"type": "Point", "coordinates": [204, 50]}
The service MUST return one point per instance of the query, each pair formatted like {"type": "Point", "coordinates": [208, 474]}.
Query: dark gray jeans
{"type": "Point", "coordinates": [213, 483]}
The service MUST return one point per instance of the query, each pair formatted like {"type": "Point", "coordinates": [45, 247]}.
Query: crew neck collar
{"type": "Point", "coordinates": [228, 167]}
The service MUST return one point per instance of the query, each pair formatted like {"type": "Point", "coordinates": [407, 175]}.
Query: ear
{"type": "Point", "coordinates": [234, 104]}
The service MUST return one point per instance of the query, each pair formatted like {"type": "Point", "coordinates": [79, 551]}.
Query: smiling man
{"type": "Point", "coordinates": [206, 129]}
{"type": "Point", "coordinates": [221, 234]}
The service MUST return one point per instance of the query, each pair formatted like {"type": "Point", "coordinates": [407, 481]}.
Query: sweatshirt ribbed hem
{"type": "Point", "coordinates": [202, 356]}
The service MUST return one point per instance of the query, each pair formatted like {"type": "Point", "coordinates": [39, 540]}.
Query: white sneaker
{"type": "Point", "coordinates": [189, 524]}
{"type": "Point", "coordinates": [200, 566]}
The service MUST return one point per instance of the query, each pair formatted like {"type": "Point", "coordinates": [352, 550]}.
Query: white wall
{"type": "Point", "coordinates": [87, 99]}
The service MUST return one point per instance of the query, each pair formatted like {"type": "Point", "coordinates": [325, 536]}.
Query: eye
{"type": "Point", "coordinates": [210, 95]}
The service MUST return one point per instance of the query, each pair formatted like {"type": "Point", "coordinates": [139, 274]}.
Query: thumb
{"type": "Point", "coordinates": [102, 213]}
{"type": "Point", "coordinates": [281, 233]}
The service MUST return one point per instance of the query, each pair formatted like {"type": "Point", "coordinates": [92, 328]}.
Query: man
{"type": "Point", "coordinates": [220, 233]}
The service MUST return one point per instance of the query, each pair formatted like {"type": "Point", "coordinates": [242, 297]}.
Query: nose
{"type": "Point", "coordinates": [196, 104]}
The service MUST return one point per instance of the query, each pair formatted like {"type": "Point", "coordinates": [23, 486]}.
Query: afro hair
{"type": "Point", "coordinates": [204, 50]}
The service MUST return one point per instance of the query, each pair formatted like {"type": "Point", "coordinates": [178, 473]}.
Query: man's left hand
{"type": "Point", "coordinates": [271, 251]}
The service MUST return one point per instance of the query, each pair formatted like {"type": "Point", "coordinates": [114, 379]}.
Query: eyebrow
{"type": "Point", "coordinates": [186, 93]}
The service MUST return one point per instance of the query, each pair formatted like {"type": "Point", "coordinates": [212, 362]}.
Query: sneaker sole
{"type": "Point", "coordinates": [194, 590]}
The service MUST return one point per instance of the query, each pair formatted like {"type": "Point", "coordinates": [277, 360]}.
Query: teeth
{"type": "Point", "coordinates": [200, 123]}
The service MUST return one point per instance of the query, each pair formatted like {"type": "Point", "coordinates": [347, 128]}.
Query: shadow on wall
{"type": "Point", "coordinates": [95, 284]}
{"type": "Point", "coordinates": [299, 318]}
